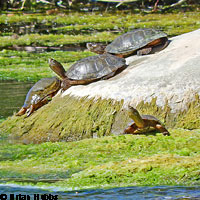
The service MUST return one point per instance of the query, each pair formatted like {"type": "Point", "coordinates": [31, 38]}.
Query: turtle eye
{"type": "Point", "coordinates": [129, 106]}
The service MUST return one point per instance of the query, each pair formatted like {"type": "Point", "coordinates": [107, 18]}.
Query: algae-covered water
{"type": "Point", "coordinates": [12, 96]}
{"type": "Point", "coordinates": [137, 193]}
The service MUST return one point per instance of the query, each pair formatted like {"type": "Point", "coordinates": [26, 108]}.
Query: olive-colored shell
{"type": "Point", "coordinates": [134, 40]}
{"type": "Point", "coordinates": [41, 89]}
{"type": "Point", "coordinates": [95, 67]}
{"type": "Point", "coordinates": [150, 118]}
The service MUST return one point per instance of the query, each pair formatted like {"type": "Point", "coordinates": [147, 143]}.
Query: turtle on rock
{"type": "Point", "coordinates": [39, 95]}
{"type": "Point", "coordinates": [143, 123]}
{"type": "Point", "coordinates": [88, 69]}
{"type": "Point", "coordinates": [140, 41]}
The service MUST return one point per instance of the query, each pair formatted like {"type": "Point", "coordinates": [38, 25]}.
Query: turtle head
{"type": "Point", "coordinates": [135, 116]}
{"type": "Point", "coordinates": [132, 112]}
{"type": "Point", "coordinates": [96, 47]}
{"type": "Point", "coordinates": [57, 68]}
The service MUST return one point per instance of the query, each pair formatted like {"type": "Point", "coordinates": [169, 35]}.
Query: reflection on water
{"type": "Point", "coordinates": [129, 193]}
{"type": "Point", "coordinates": [12, 96]}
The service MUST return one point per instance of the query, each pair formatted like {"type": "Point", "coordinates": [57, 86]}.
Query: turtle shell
{"type": "Point", "coordinates": [134, 40]}
{"type": "Point", "coordinates": [145, 117]}
{"type": "Point", "coordinates": [95, 67]}
{"type": "Point", "coordinates": [150, 118]}
{"type": "Point", "coordinates": [41, 89]}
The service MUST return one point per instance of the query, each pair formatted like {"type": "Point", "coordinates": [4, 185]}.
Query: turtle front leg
{"type": "Point", "coordinates": [21, 112]}
{"type": "Point", "coordinates": [162, 129]}
{"type": "Point", "coordinates": [30, 110]}
{"type": "Point", "coordinates": [34, 107]}
{"type": "Point", "coordinates": [130, 129]}
{"type": "Point", "coordinates": [65, 84]}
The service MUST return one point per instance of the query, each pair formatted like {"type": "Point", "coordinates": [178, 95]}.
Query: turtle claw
{"type": "Point", "coordinates": [21, 112]}
{"type": "Point", "coordinates": [30, 111]}
{"type": "Point", "coordinates": [166, 133]}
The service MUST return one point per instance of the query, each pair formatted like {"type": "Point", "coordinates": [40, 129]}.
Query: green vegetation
{"type": "Point", "coordinates": [72, 30]}
{"type": "Point", "coordinates": [54, 40]}
{"type": "Point", "coordinates": [2, 119]}
{"type": "Point", "coordinates": [173, 23]}
{"type": "Point", "coordinates": [111, 161]}
{"type": "Point", "coordinates": [67, 118]}
{"type": "Point", "coordinates": [24, 66]}
{"type": "Point", "coordinates": [100, 5]}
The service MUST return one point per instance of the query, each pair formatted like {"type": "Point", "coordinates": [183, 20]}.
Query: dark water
{"type": "Point", "coordinates": [132, 193]}
{"type": "Point", "coordinates": [12, 96]}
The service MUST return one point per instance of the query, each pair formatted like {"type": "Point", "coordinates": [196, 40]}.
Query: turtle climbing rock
{"type": "Point", "coordinates": [39, 95]}
{"type": "Point", "coordinates": [141, 41]}
{"type": "Point", "coordinates": [143, 123]}
{"type": "Point", "coordinates": [88, 69]}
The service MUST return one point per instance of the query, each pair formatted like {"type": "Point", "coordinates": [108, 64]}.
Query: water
{"type": "Point", "coordinates": [132, 193]}
{"type": "Point", "coordinates": [12, 96]}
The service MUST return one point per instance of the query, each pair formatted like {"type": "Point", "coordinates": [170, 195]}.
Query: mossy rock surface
{"type": "Point", "coordinates": [65, 118]}
{"type": "Point", "coordinates": [70, 118]}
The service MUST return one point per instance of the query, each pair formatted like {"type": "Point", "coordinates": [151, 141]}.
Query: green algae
{"type": "Point", "coordinates": [76, 29]}
{"type": "Point", "coordinates": [110, 161]}
{"type": "Point", "coordinates": [71, 118]}
{"type": "Point", "coordinates": [190, 118]}
{"type": "Point", "coordinates": [66, 118]}
{"type": "Point", "coordinates": [120, 21]}
{"type": "Point", "coordinates": [55, 40]}
{"type": "Point", "coordinates": [25, 66]}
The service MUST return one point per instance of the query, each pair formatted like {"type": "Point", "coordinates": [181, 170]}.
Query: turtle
{"type": "Point", "coordinates": [142, 41]}
{"type": "Point", "coordinates": [143, 123]}
{"type": "Point", "coordinates": [88, 69]}
{"type": "Point", "coordinates": [39, 95]}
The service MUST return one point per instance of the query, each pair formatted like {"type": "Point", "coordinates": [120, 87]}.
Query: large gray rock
{"type": "Point", "coordinates": [172, 75]}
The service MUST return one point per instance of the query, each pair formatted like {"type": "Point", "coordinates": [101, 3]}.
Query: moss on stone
{"type": "Point", "coordinates": [190, 119]}
{"type": "Point", "coordinates": [70, 118]}
{"type": "Point", "coordinates": [66, 118]}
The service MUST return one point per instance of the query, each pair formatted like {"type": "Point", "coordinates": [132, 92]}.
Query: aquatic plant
{"type": "Point", "coordinates": [112, 161]}
{"type": "Point", "coordinates": [24, 66]}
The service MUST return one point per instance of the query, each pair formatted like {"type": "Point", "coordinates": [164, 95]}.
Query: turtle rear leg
{"type": "Point", "coordinates": [144, 51]}
{"type": "Point", "coordinates": [161, 46]}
